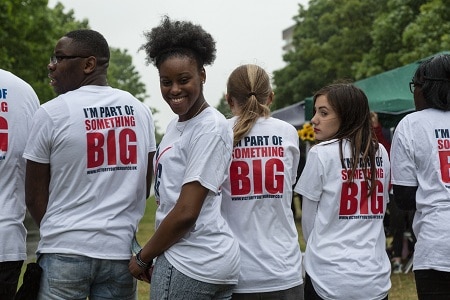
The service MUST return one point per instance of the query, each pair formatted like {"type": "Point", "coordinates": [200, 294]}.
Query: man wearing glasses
{"type": "Point", "coordinates": [89, 166]}
{"type": "Point", "coordinates": [420, 161]}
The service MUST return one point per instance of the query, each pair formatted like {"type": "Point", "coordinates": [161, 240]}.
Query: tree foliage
{"type": "Point", "coordinates": [355, 39]}
{"type": "Point", "coordinates": [29, 31]}
{"type": "Point", "coordinates": [123, 75]}
{"type": "Point", "coordinates": [224, 108]}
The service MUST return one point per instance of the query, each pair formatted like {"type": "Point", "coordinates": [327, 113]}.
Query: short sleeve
{"type": "Point", "coordinates": [310, 183]}
{"type": "Point", "coordinates": [403, 167]}
{"type": "Point", "coordinates": [38, 144]}
{"type": "Point", "coordinates": [208, 161]}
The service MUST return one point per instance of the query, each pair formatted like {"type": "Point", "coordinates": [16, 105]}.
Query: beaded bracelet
{"type": "Point", "coordinates": [141, 263]}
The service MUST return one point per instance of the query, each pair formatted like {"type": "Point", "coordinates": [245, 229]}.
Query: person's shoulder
{"type": "Point", "coordinates": [232, 120]}
{"type": "Point", "coordinates": [421, 118]}
{"type": "Point", "coordinates": [11, 78]}
{"type": "Point", "coordinates": [212, 121]}
{"type": "Point", "coordinates": [121, 91]}
{"type": "Point", "coordinates": [7, 75]}
{"type": "Point", "coordinates": [4, 75]}
{"type": "Point", "coordinates": [53, 102]}
{"type": "Point", "coordinates": [325, 146]}
{"type": "Point", "coordinates": [212, 114]}
{"type": "Point", "coordinates": [382, 149]}
{"type": "Point", "coordinates": [329, 143]}
{"type": "Point", "coordinates": [281, 124]}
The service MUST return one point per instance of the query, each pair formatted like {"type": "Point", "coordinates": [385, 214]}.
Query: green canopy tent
{"type": "Point", "coordinates": [388, 94]}
{"type": "Point", "coordinates": [293, 114]}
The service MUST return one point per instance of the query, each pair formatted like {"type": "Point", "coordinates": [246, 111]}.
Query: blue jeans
{"type": "Point", "coordinates": [432, 284]}
{"type": "Point", "coordinates": [77, 277]}
{"type": "Point", "coordinates": [9, 277]}
{"type": "Point", "coordinates": [169, 283]}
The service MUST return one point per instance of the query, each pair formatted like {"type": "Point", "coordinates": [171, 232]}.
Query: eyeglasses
{"type": "Point", "coordinates": [54, 59]}
{"type": "Point", "coordinates": [413, 85]}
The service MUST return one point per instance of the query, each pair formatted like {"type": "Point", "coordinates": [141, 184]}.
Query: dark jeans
{"type": "Point", "coordinates": [295, 293]}
{"type": "Point", "coordinates": [432, 284]}
{"type": "Point", "coordinates": [310, 293]}
{"type": "Point", "coordinates": [9, 277]}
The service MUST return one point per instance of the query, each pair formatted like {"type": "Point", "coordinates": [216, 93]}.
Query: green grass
{"type": "Point", "coordinates": [403, 285]}
{"type": "Point", "coordinates": [145, 231]}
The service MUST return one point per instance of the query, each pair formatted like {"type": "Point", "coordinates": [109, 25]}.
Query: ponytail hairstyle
{"type": "Point", "coordinates": [352, 107]}
{"type": "Point", "coordinates": [249, 87]}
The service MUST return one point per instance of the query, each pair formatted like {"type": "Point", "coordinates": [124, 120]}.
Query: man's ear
{"type": "Point", "coordinates": [90, 65]}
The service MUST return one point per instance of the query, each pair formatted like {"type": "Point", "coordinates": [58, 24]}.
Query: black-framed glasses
{"type": "Point", "coordinates": [413, 85]}
{"type": "Point", "coordinates": [55, 59]}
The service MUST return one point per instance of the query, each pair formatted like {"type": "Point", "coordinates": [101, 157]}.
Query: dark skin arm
{"type": "Point", "coordinates": [37, 181]}
{"type": "Point", "coordinates": [149, 172]}
{"type": "Point", "coordinates": [176, 224]}
{"type": "Point", "coordinates": [405, 197]}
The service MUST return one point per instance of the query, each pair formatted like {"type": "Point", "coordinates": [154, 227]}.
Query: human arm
{"type": "Point", "coordinates": [404, 167]}
{"type": "Point", "coordinates": [405, 196]}
{"type": "Point", "coordinates": [309, 212]}
{"type": "Point", "coordinates": [37, 181]}
{"type": "Point", "coordinates": [149, 175]}
{"type": "Point", "coordinates": [174, 226]}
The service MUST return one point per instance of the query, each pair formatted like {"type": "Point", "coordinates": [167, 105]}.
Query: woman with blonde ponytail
{"type": "Point", "coordinates": [258, 192]}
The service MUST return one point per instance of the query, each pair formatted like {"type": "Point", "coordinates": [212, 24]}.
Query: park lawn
{"type": "Point", "coordinates": [403, 285]}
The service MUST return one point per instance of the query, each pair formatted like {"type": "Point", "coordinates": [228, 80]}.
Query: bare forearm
{"type": "Point", "coordinates": [170, 231]}
{"type": "Point", "coordinates": [37, 182]}
{"type": "Point", "coordinates": [178, 221]}
{"type": "Point", "coordinates": [149, 173]}
{"type": "Point", "coordinates": [309, 212]}
{"type": "Point", "coordinates": [37, 213]}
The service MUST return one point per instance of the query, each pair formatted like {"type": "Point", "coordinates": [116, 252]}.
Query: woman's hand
{"type": "Point", "coordinates": [138, 272]}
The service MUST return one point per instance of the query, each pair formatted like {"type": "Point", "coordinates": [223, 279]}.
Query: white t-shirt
{"type": "Point", "coordinates": [198, 150]}
{"type": "Point", "coordinates": [18, 103]}
{"type": "Point", "coordinates": [96, 140]}
{"type": "Point", "coordinates": [257, 199]}
{"type": "Point", "coordinates": [346, 251]}
{"type": "Point", "coordinates": [420, 155]}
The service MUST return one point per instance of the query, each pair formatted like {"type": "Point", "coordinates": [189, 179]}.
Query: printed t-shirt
{"type": "Point", "coordinates": [257, 206]}
{"type": "Point", "coordinates": [18, 103]}
{"type": "Point", "coordinates": [96, 140]}
{"type": "Point", "coordinates": [198, 150]}
{"type": "Point", "coordinates": [346, 251]}
{"type": "Point", "coordinates": [420, 156]}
